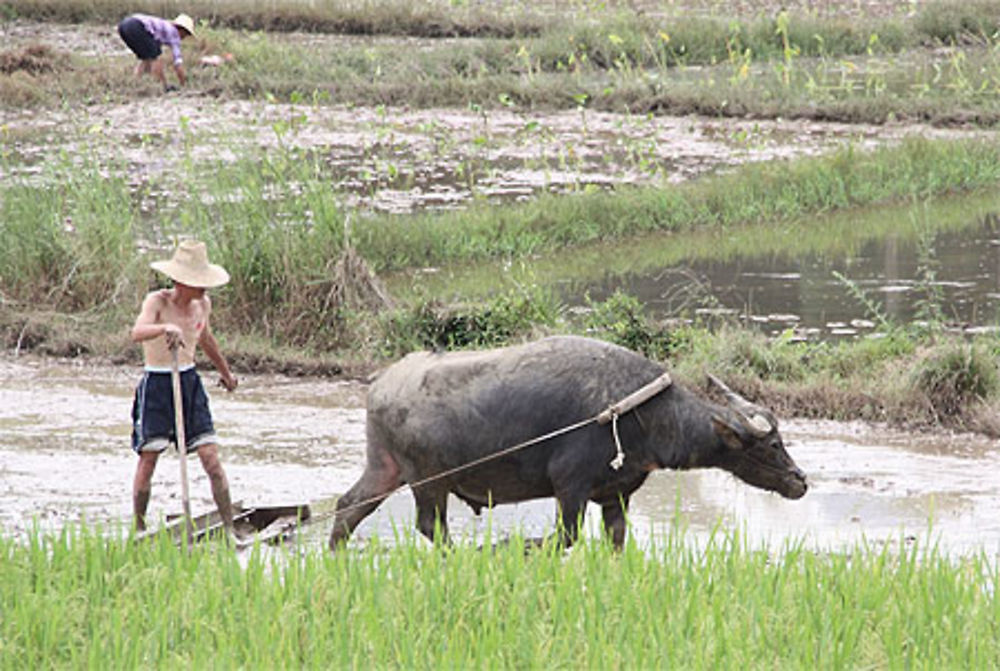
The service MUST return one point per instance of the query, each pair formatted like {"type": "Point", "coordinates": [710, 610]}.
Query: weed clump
{"type": "Point", "coordinates": [957, 377]}
{"type": "Point", "coordinates": [623, 320]}
{"type": "Point", "coordinates": [432, 324]}
{"type": "Point", "coordinates": [959, 22]}
{"type": "Point", "coordinates": [33, 59]}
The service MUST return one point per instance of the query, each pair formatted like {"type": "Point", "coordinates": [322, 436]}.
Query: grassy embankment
{"type": "Point", "coordinates": [792, 66]}
{"type": "Point", "coordinates": [79, 600]}
{"type": "Point", "coordinates": [279, 228]}
{"type": "Point", "coordinates": [298, 300]}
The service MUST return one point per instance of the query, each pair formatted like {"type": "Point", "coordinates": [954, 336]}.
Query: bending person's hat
{"type": "Point", "coordinates": [186, 22]}
{"type": "Point", "coordinates": [189, 265]}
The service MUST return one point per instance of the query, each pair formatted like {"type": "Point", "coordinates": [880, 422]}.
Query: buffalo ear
{"type": "Point", "coordinates": [729, 434]}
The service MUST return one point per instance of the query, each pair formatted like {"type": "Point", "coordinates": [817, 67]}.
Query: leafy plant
{"type": "Point", "coordinates": [431, 324]}
{"type": "Point", "coordinates": [623, 319]}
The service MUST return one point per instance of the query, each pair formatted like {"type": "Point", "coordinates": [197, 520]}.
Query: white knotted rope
{"type": "Point", "coordinates": [619, 459]}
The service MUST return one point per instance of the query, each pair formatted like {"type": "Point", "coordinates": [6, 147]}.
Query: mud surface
{"type": "Point", "coordinates": [400, 160]}
{"type": "Point", "coordinates": [64, 457]}
{"type": "Point", "coordinates": [395, 159]}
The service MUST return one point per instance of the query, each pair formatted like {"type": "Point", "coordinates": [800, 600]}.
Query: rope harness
{"type": "Point", "coordinates": [609, 414]}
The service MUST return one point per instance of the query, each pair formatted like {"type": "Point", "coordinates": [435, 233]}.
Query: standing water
{"type": "Point", "coordinates": [836, 276]}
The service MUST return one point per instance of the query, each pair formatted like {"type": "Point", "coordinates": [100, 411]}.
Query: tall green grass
{"type": "Point", "coordinates": [279, 227]}
{"type": "Point", "coordinates": [80, 600]}
{"type": "Point", "coordinates": [68, 245]}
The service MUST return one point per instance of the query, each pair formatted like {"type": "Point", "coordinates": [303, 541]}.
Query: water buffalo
{"type": "Point", "coordinates": [431, 413]}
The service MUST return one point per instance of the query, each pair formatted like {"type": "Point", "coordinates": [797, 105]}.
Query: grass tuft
{"type": "Point", "coordinates": [956, 377]}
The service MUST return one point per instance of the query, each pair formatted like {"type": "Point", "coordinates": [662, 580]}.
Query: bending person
{"type": "Point", "coordinates": [146, 35]}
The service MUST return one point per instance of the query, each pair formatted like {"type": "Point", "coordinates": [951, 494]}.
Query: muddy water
{"type": "Point", "coordinates": [64, 457]}
{"type": "Point", "coordinates": [901, 274]}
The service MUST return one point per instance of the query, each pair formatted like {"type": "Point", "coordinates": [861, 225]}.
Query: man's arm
{"type": "Point", "coordinates": [147, 324]}
{"type": "Point", "coordinates": [211, 348]}
{"type": "Point", "coordinates": [181, 75]}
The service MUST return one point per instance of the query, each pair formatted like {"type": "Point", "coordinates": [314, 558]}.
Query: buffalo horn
{"type": "Point", "coordinates": [751, 416]}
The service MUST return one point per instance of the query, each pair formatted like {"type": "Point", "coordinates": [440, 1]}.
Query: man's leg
{"type": "Point", "coordinates": [209, 455]}
{"type": "Point", "coordinates": [141, 487]}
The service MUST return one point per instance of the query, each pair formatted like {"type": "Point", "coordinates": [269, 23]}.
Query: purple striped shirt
{"type": "Point", "coordinates": [164, 32]}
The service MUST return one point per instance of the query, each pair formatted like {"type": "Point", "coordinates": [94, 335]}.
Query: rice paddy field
{"type": "Point", "coordinates": [381, 176]}
{"type": "Point", "coordinates": [82, 600]}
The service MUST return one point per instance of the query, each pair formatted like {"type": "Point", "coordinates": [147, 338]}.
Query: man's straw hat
{"type": "Point", "coordinates": [186, 22]}
{"type": "Point", "coordinates": [190, 266]}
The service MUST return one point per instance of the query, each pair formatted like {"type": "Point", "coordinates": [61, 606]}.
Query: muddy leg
{"type": "Point", "coordinates": [614, 521]}
{"type": "Point", "coordinates": [381, 478]}
{"type": "Point", "coordinates": [209, 455]}
{"type": "Point", "coordinates": [142, 485]}
{"type": "Point", "coordinates": [432, 513]}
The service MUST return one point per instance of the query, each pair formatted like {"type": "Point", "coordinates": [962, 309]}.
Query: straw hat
{"type": "Point", "coordinates": [186, 22]}
{"type": "Point", "coordinates": [190, 266]}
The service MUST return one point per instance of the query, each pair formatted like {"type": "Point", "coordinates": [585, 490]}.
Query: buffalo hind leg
{"type": "Point", "coordinates": [432, 513]}
{"type": "Point", "coordinates": [614, 521]}
{"type": "Point", "coordinates": [380, 479]}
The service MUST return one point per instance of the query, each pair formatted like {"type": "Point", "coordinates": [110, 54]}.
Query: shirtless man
{"type": "Point", "coordinates": [178, 318]}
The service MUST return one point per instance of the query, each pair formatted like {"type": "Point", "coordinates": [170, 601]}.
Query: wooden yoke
{"type": "Point", "coordinates": [634, 399]}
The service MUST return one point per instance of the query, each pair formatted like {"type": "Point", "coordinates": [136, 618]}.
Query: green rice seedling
{"type": "Point", "coordinates": [626, 62]}
{"type": "Point", "coordinates": [82, 599]}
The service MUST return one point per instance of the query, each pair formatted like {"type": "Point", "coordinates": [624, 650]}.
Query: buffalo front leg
{"type": "Point", "coordinates": [380, 479]}
{"type": "Point", "coordinates": [614, 520]}
{"type": "Point", "coordinates": [432, 513]}
{"type": "Point", "coordinates": [572, 506]}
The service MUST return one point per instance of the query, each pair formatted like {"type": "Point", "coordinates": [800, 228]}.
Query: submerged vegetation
{"type": "Point", "coordinates": [81, 600]}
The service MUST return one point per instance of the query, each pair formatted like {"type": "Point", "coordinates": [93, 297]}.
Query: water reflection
{"type": "Point", "coordinates": [901, 279]}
